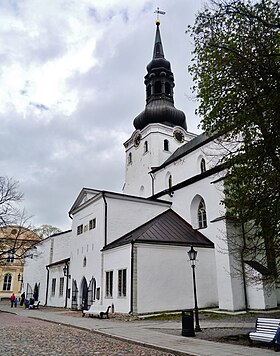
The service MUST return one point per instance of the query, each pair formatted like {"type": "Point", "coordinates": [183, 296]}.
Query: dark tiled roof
{"type": "Point", "coordinates": [167, 228]}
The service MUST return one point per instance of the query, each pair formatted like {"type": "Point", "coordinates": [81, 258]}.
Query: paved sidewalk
{"type": "Point", "coordinates": [148, 333]}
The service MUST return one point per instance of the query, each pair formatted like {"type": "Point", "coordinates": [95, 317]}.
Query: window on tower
{"type": "Point", "coordinates": [149, 91]}
{"type": "Point", "coordinates": [129, 159]}
{"type": "Point", "coordinates": [166, 145]}
{"type": "Point", "coordinates": [146, 147]}
{"type": "Point", "coordinates": [157, 87]}
{"type": "Point", "coordinates": [167, 89]}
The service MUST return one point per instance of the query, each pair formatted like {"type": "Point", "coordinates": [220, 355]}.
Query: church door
{"type": "Point", "coordinates": [84, 294]}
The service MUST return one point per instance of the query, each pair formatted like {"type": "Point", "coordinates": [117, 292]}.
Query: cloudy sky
{"type": "Point", "coordinates": [71, 83]}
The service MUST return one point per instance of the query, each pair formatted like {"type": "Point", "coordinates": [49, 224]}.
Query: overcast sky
{"type": "Point", "coordinates": [71, 83]}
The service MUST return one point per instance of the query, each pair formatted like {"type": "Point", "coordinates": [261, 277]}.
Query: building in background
{"type": "Point", "coordinates": [16, 242]}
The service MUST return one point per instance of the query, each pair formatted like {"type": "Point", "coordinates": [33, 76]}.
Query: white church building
{"type": "Point", "coordinates": [129, 249]}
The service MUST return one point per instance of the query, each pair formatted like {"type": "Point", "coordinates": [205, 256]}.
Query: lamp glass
{"type": "Point", "coordinates": [192, 254]}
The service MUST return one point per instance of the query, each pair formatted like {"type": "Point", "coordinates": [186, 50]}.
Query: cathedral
{"type": "Point", "coordinates": [130, 249]}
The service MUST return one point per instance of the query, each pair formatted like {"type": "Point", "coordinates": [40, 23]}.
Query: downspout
{"type": "Point", "coordinates": [105, 218]}
{"type": "Point", "coordinates": [153, 183]}
{"type": "Point", "coordinates": [131, 277]}
{"type": "Point", "coordinates": [243, 266]}
{"type": "Point", "coordinates": [105, 243]}
{"type": "Point", "coordinates": [67, 278]}
{"type": "Point", "coordinates": [47, 288]}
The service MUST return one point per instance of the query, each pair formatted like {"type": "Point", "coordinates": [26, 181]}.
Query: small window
{"type": "Point", "coordinates": [7, 282]}
{"type": "Point", "coordinates": [61, 286]}
{"type": "Point", "coordinates": [109, 284]}
{"type": "Point", "coordinates": [80, 229]}
{"type": "Point", "coordinates": [202, 165]}
{"type": "Point", "coordinates": [170, 182]}
{"type": "Point", "coordinates": [53, 286]}
{"type": "Point", "coordinates": [146, 147]}
{"type": "Point", "coordinates": [84, 262]}
{"type": "Point", "coordinates": [201, 214]}
{"type": "Point", "coordinates": [11, 255]}
{"type": "Point", "coordinates": [149, 91]}
{"type": "Point", "coordinates": [167, 89]}
{"type": "Point", "coordinates": [166, 145]}
{"type": "Point", "coordinates": [122, 283]}
{"type": "Point", "coordinates": [92, 224]}
{"type": "Point", "coordinates": [129, 159]}
{"type": "Point", "coordinates": [157, 87]}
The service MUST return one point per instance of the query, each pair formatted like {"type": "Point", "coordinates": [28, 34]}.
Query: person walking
{"type": "Point", "coordinates": [12, 299]}
{"type": "Point", "coordinates": [15, 301]}
{"type": "Point", "coordinates": [22, 299]}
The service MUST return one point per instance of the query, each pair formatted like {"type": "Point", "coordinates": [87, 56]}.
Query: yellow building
{"type": "Point", "coordinates": [15, 243]}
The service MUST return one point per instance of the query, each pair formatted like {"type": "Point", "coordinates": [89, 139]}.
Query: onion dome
{"type": "Point", "coordinates": [159, 82]}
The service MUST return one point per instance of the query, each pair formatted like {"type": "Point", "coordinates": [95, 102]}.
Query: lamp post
{"type": "Point", "coordinates": [192, 256]}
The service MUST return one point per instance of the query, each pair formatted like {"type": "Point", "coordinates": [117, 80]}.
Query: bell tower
{"type": "Point", "coordinates": [159, 129]}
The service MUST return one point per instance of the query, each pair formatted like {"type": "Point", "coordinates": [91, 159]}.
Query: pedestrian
{"type": "Point", "coordinates": [22, 299]}
{"type": "Point", "coordinates": [15, 301]}
{"type": "Point", "coordinates": [12, 300]}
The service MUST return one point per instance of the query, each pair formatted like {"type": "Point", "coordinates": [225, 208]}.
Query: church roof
{"type": "Point", "coordinates": [168, 228]}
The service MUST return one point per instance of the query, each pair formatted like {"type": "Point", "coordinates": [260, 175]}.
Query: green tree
{"type": "Point", "coordinates": [236, 71]}
{"type": "Point", "coordinates": [45, 231]}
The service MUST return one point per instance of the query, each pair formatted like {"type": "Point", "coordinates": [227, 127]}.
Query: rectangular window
{"type": "Point", "coordinates": [122, 283]}
{"type": "Point", "coordinates": [53, 286]}
{"type": "Point", "coordinates": [109, 284]}
{"type": "Point", "coordinates": [80, 229]}
{"type": "Point", "coordinates": [61, 285]}
{"type": "Point", "coordinates": [92, 224]}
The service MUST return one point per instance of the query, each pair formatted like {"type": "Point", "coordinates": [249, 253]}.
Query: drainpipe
{"type": "Point", "coordinates": [153, 183]}
{"type": "Point", "coordinates": [131, 277]}
{"type": "Point", "coordinates": [243, 266]}
{"type": "Point", "coordinates": [47, 289]}
{"type": "Point", "coordinates": [67, 278]}
{"type": "Point", "coordinates": [106, 218]}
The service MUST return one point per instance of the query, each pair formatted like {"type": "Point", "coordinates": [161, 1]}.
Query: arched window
{"type": "Point", "coordinates": [146, 147]}
{"type": "Point", "coordinates": [129, 160]}
{"type": "Point", "coordinates": [7, 281]}
{"type": "Point", "coordinates": [157, 87]}
{"type": "Point", "coordinates": [167, 89]}
{"type": "Point", "coordinates": [201, 215]}
{"type": "Point", "coordinates": [202, 165]}
{"type": "Point", "coordinates": [84, 262]}
{"type": "Point", "coordinates": [166, 145]}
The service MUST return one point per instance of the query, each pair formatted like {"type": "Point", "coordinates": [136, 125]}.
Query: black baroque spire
{"type": "Point", "coordinates": [159, 83]}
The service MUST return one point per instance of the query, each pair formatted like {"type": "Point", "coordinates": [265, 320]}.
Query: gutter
{"type": "Point", "coordinates": [47, 288]}
{"type": "Point", "coordinates": [105, 218]}
{"type": "Point", "coordinates": [131, 277]}
{"type": "Point", "coordinates": [67, 278]}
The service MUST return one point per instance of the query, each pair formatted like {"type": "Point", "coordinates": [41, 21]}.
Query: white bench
{"type": "Point", "coordinates": [35, 305]}
{"type": "Point", "coordinates": [265, 330]}
{"type": "Point", "coordinates": [97, 310]}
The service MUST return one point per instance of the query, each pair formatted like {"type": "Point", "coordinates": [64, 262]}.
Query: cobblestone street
{"type": "Point", "coordinates": [21, 336]}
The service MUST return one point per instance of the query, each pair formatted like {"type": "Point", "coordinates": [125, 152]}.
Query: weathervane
{"type": "Point", "coordinates": [159, 12]}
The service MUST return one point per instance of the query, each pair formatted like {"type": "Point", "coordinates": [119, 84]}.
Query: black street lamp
{"type": "Point", "coordinates": [192, 256]}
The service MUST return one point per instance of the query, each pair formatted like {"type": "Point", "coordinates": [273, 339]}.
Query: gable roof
{"type": "Point", "coordinates": [167, 228]}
